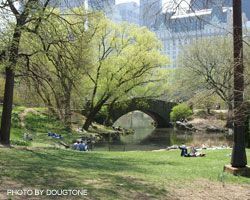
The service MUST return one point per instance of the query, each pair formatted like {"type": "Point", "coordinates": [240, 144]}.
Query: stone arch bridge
{"type": "Point", "coordinates": [158, 110]}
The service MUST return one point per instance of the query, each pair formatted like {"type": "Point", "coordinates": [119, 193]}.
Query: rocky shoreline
{"type": "Point", "coordinates": [209, 124]}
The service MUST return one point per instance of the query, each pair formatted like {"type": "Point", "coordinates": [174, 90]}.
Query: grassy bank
{"type": "Point", "coordinates": [120, 175]}
{"type": "Point", "coordinates": [36, 122]}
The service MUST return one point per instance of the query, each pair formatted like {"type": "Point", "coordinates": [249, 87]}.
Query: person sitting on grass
{"type": "Point", "coordinates": [82, 146]}
{"type": "Point", "coordinates": [183, 149]}
{"type": "Point", "coordinates": [193, 151]}
{"type": "Point", "coordinates": [76, 145]}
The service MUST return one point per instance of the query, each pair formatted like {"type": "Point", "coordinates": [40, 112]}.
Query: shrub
{"type": "Point", "coordinates": [179, 112]}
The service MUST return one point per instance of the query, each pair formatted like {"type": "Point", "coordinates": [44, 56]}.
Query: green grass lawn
{"type": "Point", "coordinates": [113, 175]}
{"type": "Point", "coordinates": [108, 175]}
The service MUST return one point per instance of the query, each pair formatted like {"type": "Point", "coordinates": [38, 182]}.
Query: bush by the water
{"type": "Point", "coordinates": [179, 112]}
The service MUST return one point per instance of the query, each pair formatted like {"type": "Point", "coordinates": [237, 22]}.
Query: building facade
{"type": "Point", "coordinates": [150, 12]}
{"type": "Point", "coordinates": [179, 30]}
{"type": "Point", "coordinates": [175, 28]}
{"type": "Point", "coordinates": [67, 4]}
{"type": "Point", "coordinates": [201, 19]}
{"type": "Point", "coordinates": [106, 6]}
{"type": "Point", "coordinates": [128, 12]}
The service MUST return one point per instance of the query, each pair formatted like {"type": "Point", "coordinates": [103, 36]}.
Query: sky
{"type": "Point", "coordinates": [184, 3]}
{"type": "Point", "coordinates": [124, 1]}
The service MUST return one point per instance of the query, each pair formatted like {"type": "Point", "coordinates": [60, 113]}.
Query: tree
{"type": "Point", "coordinates": [126, 57]}
{"type": "Point", "coordinates": [210, 68]}
{"type": "Point", "coordinates": [30, 11]}
{"type": "Point", "coordinates": [58, 61]}
{"type": "Point", "coordinates": [239, 153]}
{"type": "Point", "coordinates": [206, 100]}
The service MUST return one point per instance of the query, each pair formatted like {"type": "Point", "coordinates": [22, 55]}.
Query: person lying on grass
{"type": "Point", "coordinates": [193, 152]}
{"type": "Point", "coordinates": [55, 135]}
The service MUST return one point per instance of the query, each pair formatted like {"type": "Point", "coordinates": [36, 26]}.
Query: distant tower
{"type": "Point", "coordinates": [208, 4]}
{"type": "Point", "coordinates": [66, 4]}
{"type": "Point", "coordinates": [101, 4]}
{"type": "Point", "coordinates": [150, 11]}
{"type": "Point", "coordinates": [128, 12]}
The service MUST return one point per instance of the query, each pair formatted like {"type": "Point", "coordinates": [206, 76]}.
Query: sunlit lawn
{"type": "Point", "coordinates": [106, 175]}
{"type": "Point", "coordinates": [111, 175]}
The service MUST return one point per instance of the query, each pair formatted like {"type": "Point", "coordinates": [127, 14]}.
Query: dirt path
{"type": "Point", "coordinates": [207, 190]}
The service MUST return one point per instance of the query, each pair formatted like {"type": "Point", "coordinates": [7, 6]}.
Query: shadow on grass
{"type": "Point", "coordinates": [128, 187]}
{"type": "Point", "coordinates": [96, 172]}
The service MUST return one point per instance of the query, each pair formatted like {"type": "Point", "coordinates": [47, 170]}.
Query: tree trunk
{"type": "Point", "coordinates": [239, 152]}
{"type": "Point", "coordinates": [91, 116]}
{"type": "Point", "coordinates": [229, 123]}
{"type": "Point", "coordinates": [9, 88]}
{"type": "Point", "coordinates": [7, 107]}
{"type": "Point", "coordinates": [93, 112]}
{"type": "Point", "coordinates": [108, 121]}
{"type": "Point", "coordinates": [88, 122]}
{"type": "Point", "coordinates": [67, 111]}
{"type": "Point", "coordinates": [247, 132]}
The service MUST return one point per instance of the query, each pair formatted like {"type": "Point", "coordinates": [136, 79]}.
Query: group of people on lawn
{"type": "Point", "coordinates": [80, 146]}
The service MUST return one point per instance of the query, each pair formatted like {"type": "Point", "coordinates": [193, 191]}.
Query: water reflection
{"type": "Point", "coordinates": [153, 139]}
{"type": "Point", "coordinates": [148, 138]}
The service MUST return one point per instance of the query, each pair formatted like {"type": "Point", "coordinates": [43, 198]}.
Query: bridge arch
{"type": "Point", "coordinates": [159, 121]}
{"type": "Point", "coordinates": [158, 110]}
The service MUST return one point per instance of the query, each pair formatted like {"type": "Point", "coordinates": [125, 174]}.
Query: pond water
{"type": "Point", "coordinates": [146, 137]}
{"type": "Point", "coordinates": [153, 139]}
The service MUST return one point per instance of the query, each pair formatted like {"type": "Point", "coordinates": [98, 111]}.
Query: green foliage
{"type": "Point", "coordinates": [37, 124]}
{"type": "Point", "coordinates": [156, 87]}
{"type": "Point", "coordinates": [61, 57]}
{"type": "Point", "coordinates": [15, 119]}
{"type": "Point", "coordinates": [20, 142]}
{"type": "Point", "coordinates": [206, 100]}
{"type": "Point", "coordinates": [42, 123]}
{"type": "Point", "coordinates": [179, 112]}
{"type": "Point", "coordinates": [126, 60]}
{"type": "Point", "coordinates": [126, 57]}
{"type": "Point", "coordinates": [208, 69]}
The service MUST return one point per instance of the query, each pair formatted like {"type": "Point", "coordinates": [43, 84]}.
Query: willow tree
{"type": "Point", "coordinates": [125, 57]}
